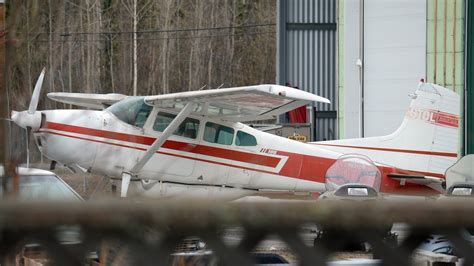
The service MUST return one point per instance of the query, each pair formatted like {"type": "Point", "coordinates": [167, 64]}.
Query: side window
{"type": "Point", "coordinates": [216, 133]}
{"type": "Point", "coordinates": [188, 128]}
{"type": "Point", "coordinates": [245, 139]}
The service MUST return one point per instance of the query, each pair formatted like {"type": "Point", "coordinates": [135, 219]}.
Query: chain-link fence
{"type": "Point", "coordinates": [149, 232]}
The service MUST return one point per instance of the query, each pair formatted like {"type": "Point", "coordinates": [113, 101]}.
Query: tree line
{"type": "Point", "coordinates": [141, 47]}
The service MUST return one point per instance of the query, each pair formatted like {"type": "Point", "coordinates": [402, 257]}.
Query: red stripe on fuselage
{"type": "Point", "coordinates": [239, 156]}
{"type": "Point", "coordinates": [433, 153]}
{"type": "Point", "coordinates": [159, 152]}
{"type": "Point", "coordinates": [299, 166]}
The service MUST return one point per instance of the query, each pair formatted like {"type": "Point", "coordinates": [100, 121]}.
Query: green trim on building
{"type": "Point", "coordinates": [445, 48]}
{"type": "Point", "coordinates": [445, 43]}
{"type": "Point", "coordinates": [445, 20]}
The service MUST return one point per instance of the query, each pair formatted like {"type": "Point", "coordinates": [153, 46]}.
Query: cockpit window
{"type": "Point", "coordinates": [131, 110]}
{"type": "Point", "coordinates": [162, 121]}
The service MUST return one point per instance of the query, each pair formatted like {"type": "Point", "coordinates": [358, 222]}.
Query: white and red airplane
{"type": "Point", "coordinates": [194, 144]}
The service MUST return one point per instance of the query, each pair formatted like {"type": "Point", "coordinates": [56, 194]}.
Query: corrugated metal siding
{"type": "Point", "coordinates": [326, 129]}
{"type": "Point", "coordinates": [311, 11]}
{"type": "Point", "coordinates": [311, 62]}
{"type": "Point", "coordinates": [311, 55]}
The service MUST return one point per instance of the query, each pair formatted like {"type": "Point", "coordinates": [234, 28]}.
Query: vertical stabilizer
{"type": "Point", "coordinates": [426, 141]}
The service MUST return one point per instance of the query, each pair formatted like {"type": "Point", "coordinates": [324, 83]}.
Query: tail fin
{"type": "Point", "coordinates": [426, 141]}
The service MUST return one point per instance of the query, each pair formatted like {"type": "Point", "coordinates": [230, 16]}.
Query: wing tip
{"type": "Point", "coordinates": [326, 100]}
{"type": "Point", "coordinates": [301, 94]}
{"type": "Point", "coordinates": [317, 98]}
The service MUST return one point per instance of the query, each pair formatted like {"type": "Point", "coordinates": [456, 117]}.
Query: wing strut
{"type": "Point", "coordinates": [127, 176]}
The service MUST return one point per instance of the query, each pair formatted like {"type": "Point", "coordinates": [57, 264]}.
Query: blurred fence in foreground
{"type": "Point", "coordinates": [151, 230]}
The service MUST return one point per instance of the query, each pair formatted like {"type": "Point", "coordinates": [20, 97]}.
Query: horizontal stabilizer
{"type": "Point", "coordinates": [88, 100]}
{"type": "Point", "coordinates": [415, 179]}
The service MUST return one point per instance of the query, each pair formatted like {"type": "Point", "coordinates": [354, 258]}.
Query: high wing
{"type": "Point", "coordinates": [88, 100]}
{"type": "Point", "coordinates": [239, 104]}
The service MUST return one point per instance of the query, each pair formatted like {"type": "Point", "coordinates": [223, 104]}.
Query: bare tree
{"type": "Point", "coordinates": [135, 14]}
{"type": "Point", "coordinates": [142, 46]}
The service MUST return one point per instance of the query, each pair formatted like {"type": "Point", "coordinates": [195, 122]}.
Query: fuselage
{"type": "Point", "coordinates": [224, 156]}
{"type": "Point", "coordinates": [98, 141]}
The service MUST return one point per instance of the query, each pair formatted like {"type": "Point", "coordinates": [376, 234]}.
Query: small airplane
{"type": "Point", "coordinates": [195, 144]}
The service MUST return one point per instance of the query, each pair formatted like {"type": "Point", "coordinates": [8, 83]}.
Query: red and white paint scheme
{"type": "Point", "coordinates": [423, 147]}
{"type": "Point", "coordinates": [194, 144]}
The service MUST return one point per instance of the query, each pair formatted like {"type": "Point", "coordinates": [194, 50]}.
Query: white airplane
{"type": "Point", "coordinates": [194, 144]}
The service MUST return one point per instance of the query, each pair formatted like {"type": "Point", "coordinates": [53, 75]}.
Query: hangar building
{"type": "Point", "coordinates": [366, 56]}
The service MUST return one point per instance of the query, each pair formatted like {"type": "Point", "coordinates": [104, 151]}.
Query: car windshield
{"type": "Point", "coordinates": [132, 110]}
{"type": "Point", "coordinates": [43, 187]}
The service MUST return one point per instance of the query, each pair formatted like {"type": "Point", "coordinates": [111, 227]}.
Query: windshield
{"type": "Point", "coordinates": [132, 110]}
{"type": "Point", "coordinates": [353, 169]}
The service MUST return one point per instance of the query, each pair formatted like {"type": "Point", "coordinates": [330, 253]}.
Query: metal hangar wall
{"type": "Point", "coordinates": [469, 107]}
{"type": "Point", "coordinates": [306, 57]}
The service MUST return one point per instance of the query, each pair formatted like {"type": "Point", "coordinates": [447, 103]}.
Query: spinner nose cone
{"type": "Point", "coordinates": [15, 116]}
{"type": "Point", "coordinates": [18, 118]}
{"type": "Point", "coordinates": [25, 119]}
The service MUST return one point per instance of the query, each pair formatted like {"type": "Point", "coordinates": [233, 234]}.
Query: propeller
{"type": "Point", "coordinates": [36, 93]}
{"type": "Point", "coordinates": [30, 119]}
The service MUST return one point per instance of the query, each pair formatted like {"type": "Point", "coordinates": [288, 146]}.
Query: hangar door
{"type": "Point", "coordinates": [394, 60]}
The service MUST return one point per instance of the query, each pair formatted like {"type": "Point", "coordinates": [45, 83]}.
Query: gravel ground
{"type": "Point", "coordinates": [89, 186]}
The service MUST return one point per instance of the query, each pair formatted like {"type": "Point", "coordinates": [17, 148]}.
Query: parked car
{"type": "Point", "coordinates": [37, 184]}
{"type": "Point", "coordinates": [34, 185]}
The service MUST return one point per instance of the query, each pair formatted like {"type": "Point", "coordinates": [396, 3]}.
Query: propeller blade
{"type": "Point", "coordinates": [36, 93]}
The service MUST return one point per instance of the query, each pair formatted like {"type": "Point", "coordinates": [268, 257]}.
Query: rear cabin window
{"type": "Point", "coordinates": [215, 133]}
{"type": "Point", "coordinates": [131, 110]}
{"type": "Point", "coordinates": [245, 139]}
{"type": "Point", "coordinates": [188, 128]}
